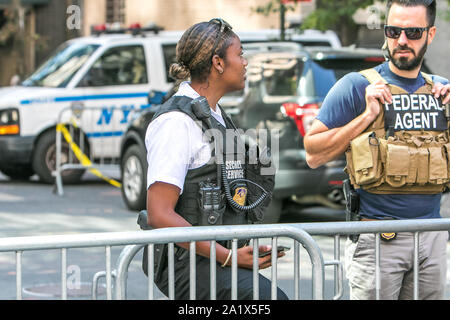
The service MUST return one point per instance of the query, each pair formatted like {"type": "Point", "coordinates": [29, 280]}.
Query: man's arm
{"type": "Point", "coordinates": [323, 144]}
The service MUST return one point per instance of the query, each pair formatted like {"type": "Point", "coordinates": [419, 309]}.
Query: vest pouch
{"type": "Point", "coordinates": [366, 158]}
{"type": "Point", "coordinates": [422, 168]}
{"type": "Point", "coordinates": [447, 153]}
{"type": "Point", "coordinates": [414, 164]}
{"type": "Point", "coordinates": [397, 164]}
{"type": "Point", "coordinates": [211, 204]}
{"type": "Point", "coordinates": [383, 150]}
{"type": "Point", "coordinates": [438, 164]}
{"type": "Point", "coordinates": [212, 217]}
{"type": "Point", "coordinates": [349, 167]}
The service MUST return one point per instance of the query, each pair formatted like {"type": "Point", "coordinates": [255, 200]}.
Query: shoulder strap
{"type": "Point", "coordinates": [230, 124]}
{"type": "Point", "coordinates": [372, 75]}
{"type": "Point", "coordinates": [175, 103]}
{"type": "Point", "coordinates": [182, 104]}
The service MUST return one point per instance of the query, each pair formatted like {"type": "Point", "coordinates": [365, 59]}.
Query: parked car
{"type": "Point", "coordinates": [306, 38]}
{"type": "Point", "coordinates": [284, 91]}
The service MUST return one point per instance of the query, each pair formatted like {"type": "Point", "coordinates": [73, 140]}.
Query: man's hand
{"type": "Point", "coordinates": [376, 93]}
{"type": "Point", "coordinates": [441, 90]}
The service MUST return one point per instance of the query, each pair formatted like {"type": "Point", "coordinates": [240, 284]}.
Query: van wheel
{"type": "Point", "coordinates": [134, 178]}
{"type": "Point", "coordinates": [44, 160]}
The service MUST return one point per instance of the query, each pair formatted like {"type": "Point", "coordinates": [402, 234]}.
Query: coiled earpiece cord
{"type": "Point", "coordinates": [229, 197]}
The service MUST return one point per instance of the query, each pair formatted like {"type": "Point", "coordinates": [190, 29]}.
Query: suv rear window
{"type": "Point", "coordinates": [328, 71]}
{"type": "Point", "coordinates": [281, 76]}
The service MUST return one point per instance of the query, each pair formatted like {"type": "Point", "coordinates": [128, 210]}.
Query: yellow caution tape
{"type": "Point", "coordinates": [84, 160]}
{"type": "Point", "coordinates": [74, 122]}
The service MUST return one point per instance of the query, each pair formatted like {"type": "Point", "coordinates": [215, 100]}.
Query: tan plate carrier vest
{"type": "Point", "coordinates": [406, 162]}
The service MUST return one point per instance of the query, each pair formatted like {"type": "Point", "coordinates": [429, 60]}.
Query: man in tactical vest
{"type": "Point", "coordinates": [392, 123]}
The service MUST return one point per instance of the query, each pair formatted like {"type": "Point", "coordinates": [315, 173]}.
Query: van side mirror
{"type": "Point", "coordinates": [150, 96]}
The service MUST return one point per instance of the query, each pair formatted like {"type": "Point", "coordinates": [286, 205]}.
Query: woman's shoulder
{"type": "Point", "coordinates": [174, 120]}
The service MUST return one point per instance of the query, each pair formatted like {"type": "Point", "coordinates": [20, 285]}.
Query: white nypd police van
{"type": "Point", "coordinates": [108, 72]}
{"type": "Point", "coordinates": [112, 74]}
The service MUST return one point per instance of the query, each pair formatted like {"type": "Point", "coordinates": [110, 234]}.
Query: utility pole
{"type": "Point", "coordinates": [282, 20]}
{"type": "Point", "coordinates": [19, 38]}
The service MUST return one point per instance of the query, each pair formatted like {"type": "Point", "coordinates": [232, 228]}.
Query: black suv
{"type": "Point", "coordinates": [284, 91]}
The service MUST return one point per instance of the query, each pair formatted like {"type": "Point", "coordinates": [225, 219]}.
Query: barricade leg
{"type": "Point", "coordinates": [123, 262]}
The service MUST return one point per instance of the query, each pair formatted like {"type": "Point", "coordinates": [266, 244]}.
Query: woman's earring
{"type": "Point", "coordinates": [220, 71]}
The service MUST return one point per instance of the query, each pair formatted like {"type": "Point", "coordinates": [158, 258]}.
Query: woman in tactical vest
{"type": "Point", "coordinates": [187, 184]}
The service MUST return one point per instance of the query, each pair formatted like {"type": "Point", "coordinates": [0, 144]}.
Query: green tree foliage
{"type": "Point", "coordinates": [338, 16]}
{"type": "Point", "coordinates": [447, 11]}
{"type": "Point", "coordinates": [329, 15]}
{"type": "Point", "coordinates": [276, 6]}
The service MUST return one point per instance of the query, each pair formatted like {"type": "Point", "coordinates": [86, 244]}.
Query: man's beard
{"type": "Point", "coordinates": [403, 63]}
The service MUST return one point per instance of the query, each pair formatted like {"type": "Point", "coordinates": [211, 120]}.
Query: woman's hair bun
{"type": "Point", "coordinates": [179, 71]}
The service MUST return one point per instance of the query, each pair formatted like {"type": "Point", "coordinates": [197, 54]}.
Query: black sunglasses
{"type": "Point", "coordinates": [223, 24]}
{"type": "Point", "coordinates": [414, 33]}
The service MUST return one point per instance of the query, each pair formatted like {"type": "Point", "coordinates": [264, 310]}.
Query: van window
{"type": "Point", "coordinates": [60, 68]}
{"type": "Point", "coordinates": [118, 66]}
{"type": "Point", "coordinates": [170, 55]}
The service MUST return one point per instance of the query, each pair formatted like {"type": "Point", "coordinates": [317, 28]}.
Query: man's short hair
{"type": "Point", "coordinates": [429, 4]}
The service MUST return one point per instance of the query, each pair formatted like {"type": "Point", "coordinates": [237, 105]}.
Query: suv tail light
{"type": "Point", "coordinates": [375, 59]}
{"type": "Point", "coordinates": [302, 115]}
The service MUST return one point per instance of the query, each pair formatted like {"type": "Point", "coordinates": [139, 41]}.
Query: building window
{"type": "Point", "coordinates": [115, 11]}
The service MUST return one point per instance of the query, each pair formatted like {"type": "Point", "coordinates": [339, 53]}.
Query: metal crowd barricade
{"type": "Point", "coordinates": [335, 229]}
{"type": "Point", "coordinates": [135, 240]}
{"type": "Point", "coordinates": [301, 233]}
{"type": "Point", "coordinates": [96, 132]}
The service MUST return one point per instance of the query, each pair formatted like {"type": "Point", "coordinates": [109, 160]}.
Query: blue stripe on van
{"type": "Point", "coordinates": [88, 97]}
{"type": "Point", "coordinates": [104, 134]}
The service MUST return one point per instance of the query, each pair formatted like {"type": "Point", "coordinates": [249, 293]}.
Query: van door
{"type": "Point", "coordinates": [116, 86]}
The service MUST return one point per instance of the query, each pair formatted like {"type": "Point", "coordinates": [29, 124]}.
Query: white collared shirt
{"type": "Point", "coordinates": [174, 144]}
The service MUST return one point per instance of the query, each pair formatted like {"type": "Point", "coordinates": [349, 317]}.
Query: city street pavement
{"type": "Point", "coordinates": [31, 208]}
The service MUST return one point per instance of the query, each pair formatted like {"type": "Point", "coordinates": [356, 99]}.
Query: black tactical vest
{"type": "Point", "coordinates": [203, 201]}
